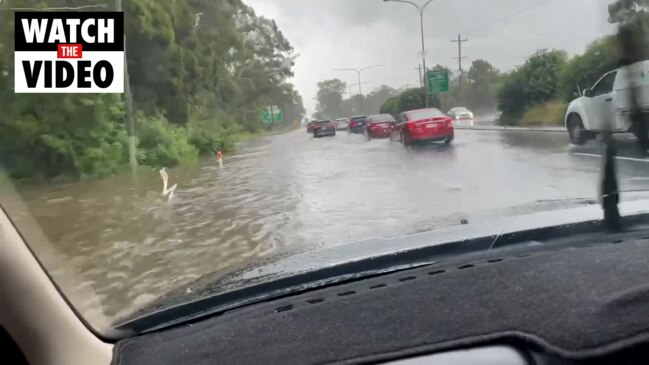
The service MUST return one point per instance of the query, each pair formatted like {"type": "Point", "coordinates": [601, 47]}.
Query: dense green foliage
{"type": "Point", "coordinates": [200, 72]}
{"type": "Point", "coordinates": [550, 113]}
{"type": "Point", "coordinates": [584, 70]}
{"type": "Point", "coordinates": [330, 99]}
{"type": "Point", "coordinates": [332, 104]}
{"type": "Point", "coordinates": [411, 99]}
{"type": "Point", "coordinates": [622, 11]}
{"type": "Point", "coordinates": [549, 76]}
{"type": "Point", "coordinates": [535, 82]}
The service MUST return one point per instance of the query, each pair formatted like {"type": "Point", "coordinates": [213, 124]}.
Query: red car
{"type": "Point", "coordinates": [380, 126]}
{"type": "Point", "coordinates": [311, 126]}
{"type": "Point", "coordinates": [423, 125]}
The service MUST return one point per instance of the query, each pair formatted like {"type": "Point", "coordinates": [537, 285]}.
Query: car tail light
{"type": "Point", "coordinates": [331, 125]}
{"type": "Point", "coordinates": [352, 124]}
{"type": "Point", "coordinates": [411, 125]}
{"type": "Point", "coordinates": [449, 122]}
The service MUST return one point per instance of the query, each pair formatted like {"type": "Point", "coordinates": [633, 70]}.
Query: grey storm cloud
{"type": "Point", "coordinates": [330, 34]}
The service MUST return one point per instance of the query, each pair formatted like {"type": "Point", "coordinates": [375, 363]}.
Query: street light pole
{"type": "Point", "coordinates": [358, 72]}
{"type": "Point", "coordinates": [420, 9]}
{"type": "Point", "coordinates": [360, 90]}
{"type": "Point", "coordinates": [423, 55]}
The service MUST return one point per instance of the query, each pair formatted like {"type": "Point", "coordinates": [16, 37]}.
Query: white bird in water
{"type": "Point", "coordinates": [169, 193]}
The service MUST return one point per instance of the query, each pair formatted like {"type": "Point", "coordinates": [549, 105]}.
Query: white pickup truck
{"type": "Point", "coordinates": [608, 102]}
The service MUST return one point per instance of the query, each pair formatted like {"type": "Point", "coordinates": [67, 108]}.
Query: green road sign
{"type": "Point", "coordinates": [278, 116]}
{"type": "Point", "coordinates": [437, 82]}
{"type": "Point", "coordinates": [265, 116]}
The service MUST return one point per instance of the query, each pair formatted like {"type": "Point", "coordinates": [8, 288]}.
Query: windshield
{"type": "Point", "coordinates": [197, 157]}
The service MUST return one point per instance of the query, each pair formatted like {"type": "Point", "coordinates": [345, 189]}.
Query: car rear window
{"type": "Point", "coordinates": [359, 119]}
{"type": "Point", "coordinates": [382, 119]}
{"type": "Point", "coordinates": [322, 122]}
{"type": "Point", "coordinates": [425, 114]}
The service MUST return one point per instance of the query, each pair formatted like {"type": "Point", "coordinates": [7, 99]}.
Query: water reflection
{"type": "Point", "coordinates": [548, 141]}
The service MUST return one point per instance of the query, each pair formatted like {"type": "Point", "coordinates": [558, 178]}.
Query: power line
{"type": "Point", "coordinates": [532, 14]}
{"type": "Point", "coordinates": [504, 19]}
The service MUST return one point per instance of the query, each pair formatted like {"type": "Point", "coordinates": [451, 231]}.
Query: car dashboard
{"type": "Point", "coordinates": [578, 299]}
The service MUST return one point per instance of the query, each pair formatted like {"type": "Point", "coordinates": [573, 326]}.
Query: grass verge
{"type": "Point", "coordinates": [551, 113]}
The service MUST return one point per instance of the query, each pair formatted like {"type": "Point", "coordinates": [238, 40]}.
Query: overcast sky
{"type": "Point", "coordinates": [329, 34]}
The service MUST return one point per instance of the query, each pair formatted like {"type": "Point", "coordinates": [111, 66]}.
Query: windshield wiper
{"type": "Point", "coordinates": [631, 48]}
{"type": "Point", "coordinates": [610, 196]}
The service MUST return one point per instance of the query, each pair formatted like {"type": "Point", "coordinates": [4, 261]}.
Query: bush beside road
{"type": "Point", "coordinates": [551, 113]}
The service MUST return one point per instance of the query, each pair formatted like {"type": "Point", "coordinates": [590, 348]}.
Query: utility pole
{"type": "Point", "coordinates": [128, 106]}
{"type": "Point", "coordinates": [421, 80]}
{"type": "Point", "coordinates": [459, 58]}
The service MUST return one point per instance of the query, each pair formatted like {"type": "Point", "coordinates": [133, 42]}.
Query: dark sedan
{"type": "Point", "coordinates": [324, 128]}
{"type": "Point", "coordinates": [357, 124]}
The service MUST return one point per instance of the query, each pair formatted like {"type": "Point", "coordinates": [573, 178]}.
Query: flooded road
{"type": "Point", "coordinates": [125, 244]}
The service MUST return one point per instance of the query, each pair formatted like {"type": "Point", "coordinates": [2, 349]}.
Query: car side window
{"type": "Point", "coordinates": [605, 85]}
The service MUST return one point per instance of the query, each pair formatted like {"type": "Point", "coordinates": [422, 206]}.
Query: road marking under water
{"type": "Point", "coordinates": [617, 157]}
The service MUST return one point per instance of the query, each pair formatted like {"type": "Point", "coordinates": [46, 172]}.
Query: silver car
{"type": "Point", "coordinates": [460, 114]}
{"type": "Point", "coordinates": [342, 124]}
